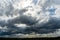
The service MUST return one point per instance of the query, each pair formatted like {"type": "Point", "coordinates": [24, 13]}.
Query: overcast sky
{"type": "Point", "coordinates": [27, 16]}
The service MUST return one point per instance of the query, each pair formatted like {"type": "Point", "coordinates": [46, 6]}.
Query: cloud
{"type": "Point", "coordinates": [32, 16]}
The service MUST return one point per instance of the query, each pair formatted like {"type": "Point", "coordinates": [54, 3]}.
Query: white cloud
{"type": "Point", "coordinates": [21, 25]}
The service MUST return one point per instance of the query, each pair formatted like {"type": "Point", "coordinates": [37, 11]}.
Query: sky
{"type": "Point", "coordinates": [28, 16]}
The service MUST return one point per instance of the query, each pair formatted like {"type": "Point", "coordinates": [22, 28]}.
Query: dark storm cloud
{"type": "Point", "coordinates": [51, 26]}
{"type": "Point", "coordinates": [24, 19]}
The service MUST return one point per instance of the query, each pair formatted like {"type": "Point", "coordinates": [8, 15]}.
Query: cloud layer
{"type": "Point", "coordinates": [27, 16]}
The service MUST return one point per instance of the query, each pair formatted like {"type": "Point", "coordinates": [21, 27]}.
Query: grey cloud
{"type": "Point", "coordinates": [44, 28]}
{"type": "Point", "coordinates": [51, 26]}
